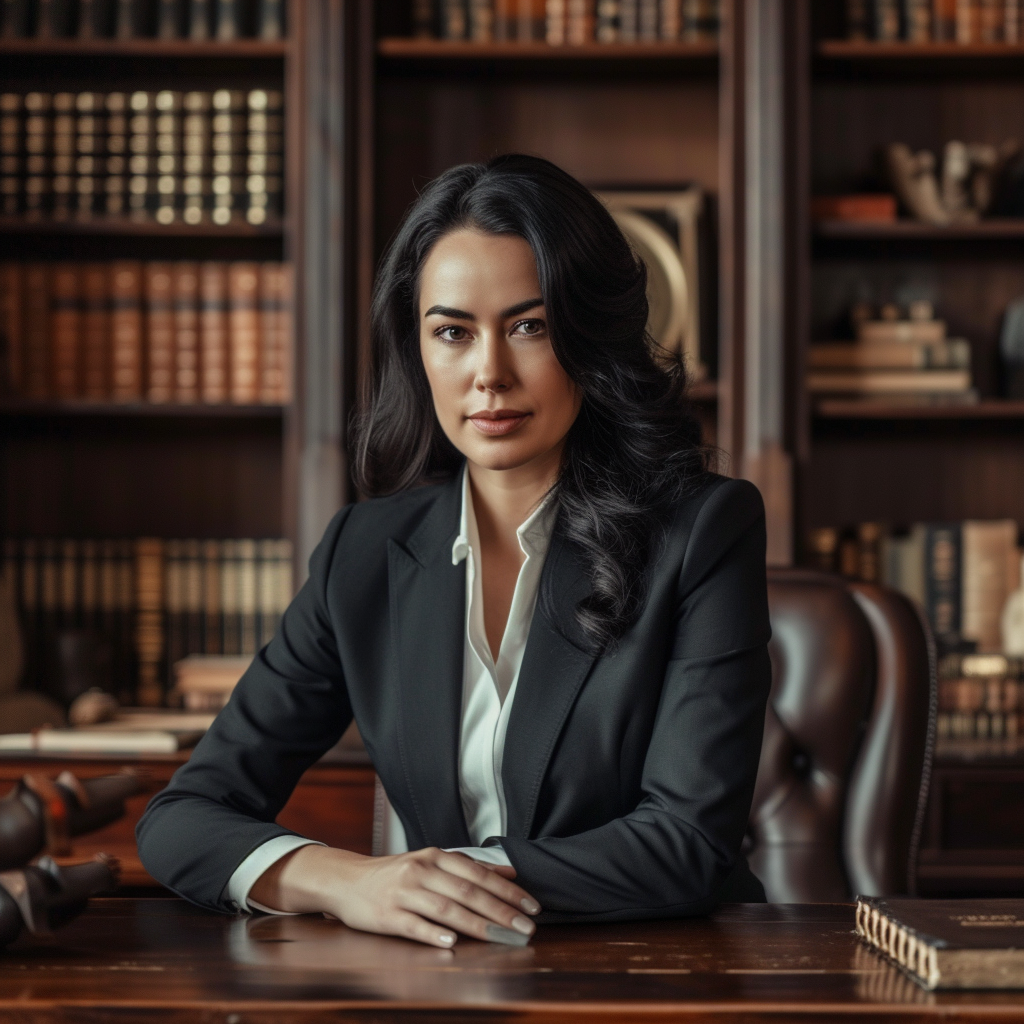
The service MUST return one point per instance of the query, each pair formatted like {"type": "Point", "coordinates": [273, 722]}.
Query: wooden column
{"type": "Point", "coordinates": [323, 88]}
{"type": "Point", "coordinates": [753, 416]}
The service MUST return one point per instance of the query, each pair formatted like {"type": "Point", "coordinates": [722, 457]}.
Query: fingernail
{"type": "Point", "coordinates": [495, 933]}
{"type": "Point", "coordinates": [521, 924]}
{"type": "Point", "coordinates": [529, 905]}
{"type": "Point", "coordinates": [448, 940]}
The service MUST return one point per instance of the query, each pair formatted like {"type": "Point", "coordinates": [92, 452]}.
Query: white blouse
{"type": "Point", "coordinates": [488, 690]}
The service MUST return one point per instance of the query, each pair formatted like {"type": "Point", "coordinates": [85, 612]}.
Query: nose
{"type": "Point", "coordinates": [494, 372]}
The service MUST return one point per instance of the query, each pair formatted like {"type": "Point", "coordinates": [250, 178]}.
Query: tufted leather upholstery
{"type": "Point", "coordinates": [839, 801]}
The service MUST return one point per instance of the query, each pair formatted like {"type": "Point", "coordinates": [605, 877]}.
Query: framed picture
{"type": "Point", "coordinates": [664, 229]}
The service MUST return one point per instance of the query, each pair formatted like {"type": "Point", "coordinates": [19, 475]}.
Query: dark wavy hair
{"type": "Point", "coordinates": [634, 448]}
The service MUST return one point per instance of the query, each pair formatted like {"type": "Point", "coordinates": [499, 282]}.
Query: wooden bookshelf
{"type": "Point", "coordinates": [992, 409]}
{"type": "Point", "coordinates": [24, 408]}
{"type": "Point", "coordinates": [398, 48]}
{"type": "Point", "coordinates": [870, 50]}
{"type": "Point", "coordinates": [98, 226]}
{"type": "Point", "coordinates": [251, 49]}
{"type": "Point", "coordinates": [985, 230]}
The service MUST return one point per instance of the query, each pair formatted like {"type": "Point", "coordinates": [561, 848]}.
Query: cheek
{"type": "Point", "coordinates": [445, 376]}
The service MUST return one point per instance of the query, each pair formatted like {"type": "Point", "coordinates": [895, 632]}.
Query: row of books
{"type": "Point", "coordinates": [147, 604]}
{"type": "Point", "coordinates": [924, 21]}
{"type": "Point", "coordinates": [901, 355]}
{"type": "Point", "coordinates": [962, 574]}
{"type": "Point", "coordinates": [981, 704]}
{"type": "Point", "coordinates": [198, 20]}
{"type": "Point", "coordinates": [159, 332]}
{"type": "Point", "coordinates": [572, 22]}
{"type": "Point", "coordinates": [174, 157]}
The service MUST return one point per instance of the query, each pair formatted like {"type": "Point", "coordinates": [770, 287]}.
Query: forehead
{"type": "Point", "coordinates": [474, 270]}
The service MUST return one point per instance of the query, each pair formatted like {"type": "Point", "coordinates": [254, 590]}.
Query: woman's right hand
{"type": "Point", "coordinates": [427, 895]}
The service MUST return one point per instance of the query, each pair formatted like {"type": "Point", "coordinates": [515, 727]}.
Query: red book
{"type": "Point", "coordinates": [213, 332]}
{"type": "Point", "coordinates": [859, 208]}
{"type": "Point", "coordinates": [159, 289]}
{"type": "Point", "coordinates": [243, 319]}
{"type": "Point", "coordinates": [126, 331]}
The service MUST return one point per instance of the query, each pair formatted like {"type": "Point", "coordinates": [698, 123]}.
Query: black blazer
{"type": "Point", "coordinates": [628, 777]}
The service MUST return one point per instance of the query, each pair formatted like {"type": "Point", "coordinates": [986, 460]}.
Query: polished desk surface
{"type": "Point", "coordinates": [162, 959]}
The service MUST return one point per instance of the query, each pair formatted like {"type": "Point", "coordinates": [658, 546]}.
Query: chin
{"type": "Point", "coordinates": [500, 456]}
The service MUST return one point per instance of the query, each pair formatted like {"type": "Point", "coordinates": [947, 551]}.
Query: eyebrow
{"type": "Point", "coordinates": [461, 314]}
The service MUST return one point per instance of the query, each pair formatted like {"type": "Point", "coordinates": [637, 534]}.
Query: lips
{"type": "Point", "coordinates": [498, 422]}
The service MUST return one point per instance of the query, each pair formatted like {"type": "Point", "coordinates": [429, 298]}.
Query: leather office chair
{"type": "Point", "coordinates": [841, 788]}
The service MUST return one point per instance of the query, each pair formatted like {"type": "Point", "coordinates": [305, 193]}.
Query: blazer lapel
{"type": "Point", "coordinates": [428, 610]}
{"type": "Point", "coordinates": [555, 665]}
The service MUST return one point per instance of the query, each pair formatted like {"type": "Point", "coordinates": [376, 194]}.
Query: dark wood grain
{"type": "Point", "coordinates": [851, 49]}
{"type": "Point", "coordinates": [202, 49]}
{"type": "Point", "coordinates": [848, 409]}
{"type": "Point", "coordinates": [168, 961]}
{"type": "Point", "coordinates": [30, 408]}
{"type": "Point", "coordinates": [443, 49]}
{"type": "Point", "coordinates": [982, 230]}
{"type": "Point", "coordinates": [113, 226]}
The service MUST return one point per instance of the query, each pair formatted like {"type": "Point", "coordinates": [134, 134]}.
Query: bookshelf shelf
{"type": "Point", "coordinates": [983, 230]}
{"type": "Point", "coordinates": [991, 409]}
{"type": "Point", "coordinates": [856, 50]}
{"type": "Point", "coordinates": [20, 408]}
{"type": "Point", "coordinates": [401, 49]}
{"type": "Point", "coordinates": [19, 226]}
{"type": "Point", "coordinates": [249, 48]}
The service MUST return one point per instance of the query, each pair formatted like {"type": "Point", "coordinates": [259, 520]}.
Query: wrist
{"type": "Point", "coordinates": [311, 879]}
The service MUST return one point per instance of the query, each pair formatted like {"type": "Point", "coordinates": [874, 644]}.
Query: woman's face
{"type": "Point", "coordinates": [500, 394]}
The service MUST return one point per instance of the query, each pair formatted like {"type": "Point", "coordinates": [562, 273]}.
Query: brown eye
{"type": "Point", "coordinates": [529, 328]}
{"type": "Point", "coordinates": [452, 335]}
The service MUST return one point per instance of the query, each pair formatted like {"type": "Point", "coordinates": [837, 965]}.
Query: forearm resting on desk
{"type": "Point", "coordinates": [427, 895]}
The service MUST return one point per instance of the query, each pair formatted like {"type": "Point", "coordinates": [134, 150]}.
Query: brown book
{"type": "Point", "coordinates": [149, 620]}
{"type": "Point", "coordinates": [64, 331]}
{"type": "Point", "coordinates": [988, 552]}
{"type": "Point", "coordinates": [275, 332]}
{"type": "Point", "coordinates": [12, 285]}
{"type": "Point", "coordinates": [887, 331]}
{"type": "Point", "coordinates": [243, 320]}
{"type": "Point", "coordinates": [186, 332]}
{"type": "Point", "coordinates": [948, 943]}
{"type": "Point", "coordinates": [867, 207]}
{"type": "Point", "coordinates": [954, 354]}
{"type": "Point", "coordinates": [126, 331]}
{"type": "Point", "coordinates": [944, 20]}
{"type": "Point", "coordinates": [212, 626]}
{"type": "Point", "coordinates": [859, 382]}
{"type": "Point", "coordinates": [36, 325]}
{"type": "Point", "coordinates": [95, 331]}
{"type": "Point", "coordinates": [159, 332]}
{"type": "Point", "coordinates": [213, 332]}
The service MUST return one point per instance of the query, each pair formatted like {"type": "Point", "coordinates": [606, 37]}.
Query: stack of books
{"type": "Point", "coordinates": [981, 705]}
{"type": "Point", "coordinates": [204, 682]}
{"type": "Point", "coordinates": [927, 21]}
{"type": "Point", "coordinates": [140, 19]}
{"type": "Point", "coordinates": [568, 22]}
{"type": "Point", "coordinates": [164, 156]}
{"type": "Point", "coordinates": [156, 332]}
{"type": "Point", "coordinates": [961, 573]}
{"type": "Point", "coordinates": [894, 359]}
{"type": "Point", "coordinates": [150, 602]}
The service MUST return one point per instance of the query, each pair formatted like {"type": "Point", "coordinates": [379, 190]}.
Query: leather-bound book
{"type": "Point", "coordinates": [159, 332]}
{"type": "Point", "coordinates": [213, 332]}
{"type": "Point", "coordinates": [231, 635]}
{"type": "Point", "coordinates": [948, 944]}
{"type": "Point", "coordinates": [36, 327]}
{"type": "Point", "coordinates": [30, 603]}
{"type": "Point", "coordinates": [186, 332]}
{"type": "Point", "coordinates": [228, 19]}
{"type": "Point", "coordinates": [270, 19]}
{"type": "Point", "coordinates": [169, 18]}
{"type": "Point", "coordinates": [1012, 22]}
{"type": "Point", "coordinates": [943, 581]}
{"type": "Point", "coordinates": [174, 605]}
{"type": "Point", "coordinates": [126, 331]}
{"type": "Point", "coordinates": [12, 158]}
{"type": "Point", "coordinates": [38, 152]}
{"type": "Point", "coordinates": [126, 656]}
{"type": "Point", "coordinates": [192, 596]}
{"type": "Point", "coordinates": [69, 613]}
{"type": "Point", "coordinates": [200, 17]}
{"type": "Point", "coordinates": [149, 619]}
{"type": "Point", "coordinates": [245, 551]}
{"type": "Point", "coordinates": [12, 340]}
{"type": "Point", "coordinates": [15, 15]}
{"type": "Point", "coordinates": [64, 331]}
{"type": "Point", "coordinates": [243, 321]}
{"type": "Point", "coordinates": [989, 556]}
{"type": "Point", "coordinates": [275, 332]}
{"type": "Point", "coordinates": [95, 331]}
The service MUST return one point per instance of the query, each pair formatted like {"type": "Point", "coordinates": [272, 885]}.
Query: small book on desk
{"type": "Point", "coordinates": [948, 943]}
{"type": "Point", "coordinates": [131, 732]}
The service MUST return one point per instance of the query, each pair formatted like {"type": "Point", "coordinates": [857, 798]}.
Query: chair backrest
{"type": "Point", "coordinates": [841, 788]}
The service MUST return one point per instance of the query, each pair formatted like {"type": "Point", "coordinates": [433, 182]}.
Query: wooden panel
{"type": "Point", "coordinates": [903, 472]}
{"type": "Point", "coordinates": [104, 477]}
{"type": "Point", "coordinates": [333, 804]}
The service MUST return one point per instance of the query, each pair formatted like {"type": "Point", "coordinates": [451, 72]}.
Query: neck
{"type": "Point", "coordinates": [504, 498]}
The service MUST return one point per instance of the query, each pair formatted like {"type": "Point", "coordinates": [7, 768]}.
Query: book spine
{"type": "Point", "coordinates": [606, 26]}
{"type": "Point", "coordinates": [49, 612]}
{"type": "Point", "coordinates": [284, 587]}
{"type": "Point", "coordinates": [424, 19]}
{"type": "Point", "coordinates": [15, 15]}
{"type": "Point", "coordinates": [64, 332]}
{"type": "Point", "coordinates": [505, 19]}
{"type": "Point", "coordinates": [271, 19]}
{"type": "Point", "coordinates": [106, 608]}
{"type": "Point", "coordinates": [12, 158]}
{"type": "Point", "coordinates": [990, 21]}
{"type": "Point", "coordinates": [231, 636]}
{"type": "Point", "coordinates": [988, 550]}
{"type": "Point", "coordinates": [481, 21]}
{"type": "Point", "coordinates": [37, 330]}
{"type": "Point", "coordinates": [186, 332]}
{"type": "Point", "coordinates": [168, 19]}
{"type": "Point", "coordinates": [943, 581]}
{"type": "Point", "coordinates": [670, 20]}
{"type": "Point", "coordinates": [944, 20]}
{"type": "Point", "coordinates": [124, 19]}
{"type": "Point", "coordinates": [87, 28]}
{"type": "Point", "coordinates": [196, 165]}
{"type": "Point", "coordinates": [266, 591]}
{"type": "Point", "coordinates": [62, 164]}
{"type": "Point", "coordinates": [454, 20]}
{"type": "Point", "coordinates": [967, 23]}
{"type": "Point", "coordinates": [95, 331]}
{"type": "Point", "coordinates": [629, 20]}
{"type": "Point", "coordinates": [192, 595]}
{"type": "Point", "coordinates": [858, 21]}
{"type": "Point", "coordinates": [199, 19]}
{"type": "Point", "coordinates": [581, 19]}
{"type": "Point", "coordinates": [149, 621]}
{"type": "Point", "coordinates": [265, 147]}
{"type": "Point", "coordinates": [159, 333]}
{"type": "Point", "coordinates": [648, 21]}
{"type": "Point", "coordinates": [213, 332]}
{"type": "Point", "coordinates": [31, 610]}
{"type": "Point", "coordinates": [243, 283]}
{"type": "Point", "coordinates": [114, 201]}
{"type": "Point", "coordinates": [1012, 22]}
{"type": "Point", "coordinates": [174, 602]}
{"type": "Point", "coordinates": [126, 374]}
{"type": "Point", "coordinates": [213, 642]}
{"type": "Point", "coordinates": [275, 333]}
{"type": "Point", "coordinates": [917, 19]}
{"type": "Point", "coordinates": [12, 341]}
{"type": "Point", "coordinates": [247, 595]}
{"type": "Point", "coordinates": [887, 20]}
{"type": "Point", "coordinates": [227, 19]}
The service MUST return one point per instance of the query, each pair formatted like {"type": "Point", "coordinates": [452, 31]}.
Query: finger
{"type": "Point", "coordinates": [492, 881]}
{"type": "Point", "coordinates": [505, 870]}
{"type": "Point", "coordinates": [448, 912]}
{"type": "Point", "coordinates": [411, 926]}
{"type": "Point", "coordinates": [471, 896]}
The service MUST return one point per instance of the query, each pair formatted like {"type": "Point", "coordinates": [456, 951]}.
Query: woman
{"type": "Point", "coordinates": [556, 656]}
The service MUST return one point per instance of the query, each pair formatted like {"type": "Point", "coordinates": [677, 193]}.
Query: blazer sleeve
{"type": "Point", "coordinates": [289, 708]}
{"type": "Point", "coordinates": [674, 854]}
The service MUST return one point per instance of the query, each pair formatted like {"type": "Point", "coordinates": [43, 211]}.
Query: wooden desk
{"type": "Point", "coordinates": [164, 960]}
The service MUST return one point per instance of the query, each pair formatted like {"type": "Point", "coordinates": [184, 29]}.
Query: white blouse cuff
{"type": "Point", "coordinates": [248, 872]}
{"type": "Point", "coordinates": [484, 854]}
